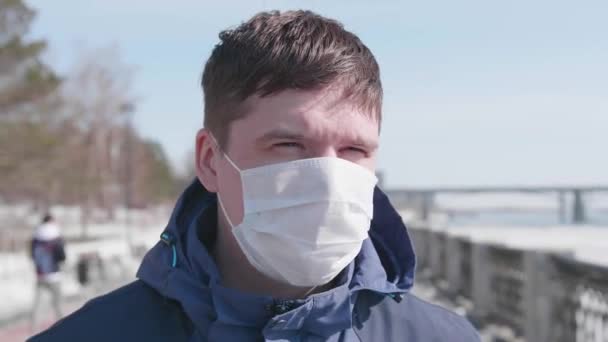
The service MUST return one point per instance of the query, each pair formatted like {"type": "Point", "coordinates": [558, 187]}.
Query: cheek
{"type": "Point", "coordinates": [368, 163]}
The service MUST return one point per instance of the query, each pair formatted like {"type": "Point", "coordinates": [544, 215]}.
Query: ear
{"type": "Point", "coordinates": [206, 160]}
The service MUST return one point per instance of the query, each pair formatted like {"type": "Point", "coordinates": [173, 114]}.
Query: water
{"type": "Point", "coordinates": [522, 218]}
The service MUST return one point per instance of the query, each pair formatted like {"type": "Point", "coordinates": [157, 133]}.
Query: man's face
{"type": "Point", "coordinates": [290, 125]}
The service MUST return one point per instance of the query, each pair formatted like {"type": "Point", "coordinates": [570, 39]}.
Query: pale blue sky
{"type": "Point", "coordinates": [476, 92]}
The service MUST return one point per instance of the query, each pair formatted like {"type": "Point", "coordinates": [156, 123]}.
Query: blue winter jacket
{"type": "Point", "coordinates": [179, 296]}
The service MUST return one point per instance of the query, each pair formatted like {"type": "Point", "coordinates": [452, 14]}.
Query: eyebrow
{"type": "Point", "coordinates": [286, 134]}
{"type": "Point", "coordinates": [280, 133]}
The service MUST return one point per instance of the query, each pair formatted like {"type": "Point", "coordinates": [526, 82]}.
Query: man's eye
{"type": "Point", "coordinates": [356, 149]}
{"type": "Point", "coordinates": [288, 144]}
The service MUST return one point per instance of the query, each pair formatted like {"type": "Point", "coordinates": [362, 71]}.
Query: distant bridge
{"type": "Point", "coordinates": [425, 196]}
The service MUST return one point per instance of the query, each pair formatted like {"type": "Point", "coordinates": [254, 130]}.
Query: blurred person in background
{"type": "Point", "coordinates": [284, 235]}
{"type": "Point", "coordinates": [48, 254]}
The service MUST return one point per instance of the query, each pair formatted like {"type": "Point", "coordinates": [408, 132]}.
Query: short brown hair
{"type": "Point", "coordinates": [276, 51]}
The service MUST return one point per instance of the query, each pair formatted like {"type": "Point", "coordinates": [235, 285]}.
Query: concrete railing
{"type": "Point", "coordinates": [540, 296]}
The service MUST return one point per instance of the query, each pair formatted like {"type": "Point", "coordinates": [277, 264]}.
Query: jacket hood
{"type": "Point", "coordinates": [180, 267]}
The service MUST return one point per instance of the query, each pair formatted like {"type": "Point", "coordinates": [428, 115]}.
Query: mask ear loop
{"type": "Point", "coordinates": [219, 198]}
{"type": "Point", "coordinates": [224, 154]}
{"type": "Point", "coordinates": [307, 293]}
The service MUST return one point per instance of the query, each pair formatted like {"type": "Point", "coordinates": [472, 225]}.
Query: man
{"type": "Point", "coordinates": [283, 235]}
{"type": "Point", "coordinates": [48, 253]}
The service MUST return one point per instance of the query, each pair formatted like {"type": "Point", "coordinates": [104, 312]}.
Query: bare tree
{"type": "Point", "coordinates": [71, 141]}
{"type": "Point", "coordinates": [96, 93]}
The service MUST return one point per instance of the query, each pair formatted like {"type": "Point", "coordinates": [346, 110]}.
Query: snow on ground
{"type": "Point", "coordinates": [108, 240]}
{"type": "Point", "coordinates": [18, 288]}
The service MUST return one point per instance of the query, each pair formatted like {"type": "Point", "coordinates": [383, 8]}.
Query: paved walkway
{"type": "Point", "coordinates": [18, 327]}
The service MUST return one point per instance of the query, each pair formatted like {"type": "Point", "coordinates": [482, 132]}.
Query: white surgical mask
{"type": "Point", "coordinates": [304, 220]}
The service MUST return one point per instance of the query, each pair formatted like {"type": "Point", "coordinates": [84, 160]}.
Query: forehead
{"type": "Point", "coordinates": [316, 113]}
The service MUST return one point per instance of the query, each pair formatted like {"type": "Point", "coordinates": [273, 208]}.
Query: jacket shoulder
{"type": "Point", "coordinates": [410, 319]}
{"type": "Point", "coordinates": [132, 312]}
